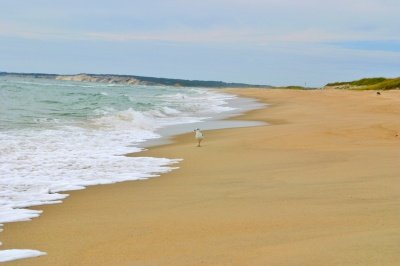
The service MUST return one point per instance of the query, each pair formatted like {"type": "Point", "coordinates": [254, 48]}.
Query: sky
{"type": "Point", "coordinates": [271, 42]}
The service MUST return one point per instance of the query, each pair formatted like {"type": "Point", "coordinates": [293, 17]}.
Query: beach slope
{"type": "Point", "coordinates": [320, 185]}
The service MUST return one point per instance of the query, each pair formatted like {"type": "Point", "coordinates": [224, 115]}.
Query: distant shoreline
{"type": "Point", "coordinates": [134, 80]}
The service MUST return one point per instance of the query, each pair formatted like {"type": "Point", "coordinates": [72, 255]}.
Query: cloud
{"type": "Point", "coordinates": [213, 34]}
{"type": "Point", "coordinates": [381, 45]}
{"type": "Point", "coordinates": [250, 22]}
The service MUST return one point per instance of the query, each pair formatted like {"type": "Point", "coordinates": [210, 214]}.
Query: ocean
{"type": "Point", "coordinates": [58, 136]}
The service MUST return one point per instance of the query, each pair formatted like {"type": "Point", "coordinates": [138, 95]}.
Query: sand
{"type": "Point", "coordinates": [320, 185]}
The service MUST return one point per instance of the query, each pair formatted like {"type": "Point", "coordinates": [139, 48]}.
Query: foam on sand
{"type": "Point", "coordinates": [15, 254]}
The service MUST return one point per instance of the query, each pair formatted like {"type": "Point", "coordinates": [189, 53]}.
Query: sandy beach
{"type": "Point", "coordinates": [319, 185]}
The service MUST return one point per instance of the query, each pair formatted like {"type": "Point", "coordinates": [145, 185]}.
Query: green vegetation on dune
{"type": "Point", "coordinates": [369, 84]}
{"type": "Point", "coordinates": [388, 84]}
{"type": "Point", "coordinates": [361, 82]}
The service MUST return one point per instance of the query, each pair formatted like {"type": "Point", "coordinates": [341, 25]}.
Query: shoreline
{"type": "Point", "coordinates": [298, 192]}
{"type": "Point", "coordinates": [223, 120]}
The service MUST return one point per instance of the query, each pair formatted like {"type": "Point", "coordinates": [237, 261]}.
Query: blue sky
{"type": "Point", "coordinates": [277, 42]}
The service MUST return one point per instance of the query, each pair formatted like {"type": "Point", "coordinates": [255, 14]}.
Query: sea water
{"type": "Point", "coordinates": [57, 136]}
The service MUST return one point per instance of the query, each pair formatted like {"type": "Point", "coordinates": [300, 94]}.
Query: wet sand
{"type": "Point", "coordinates": [320, 185]}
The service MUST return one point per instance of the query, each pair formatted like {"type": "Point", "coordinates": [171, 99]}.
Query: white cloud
{"type": "Point", "coordinates": [250, 22]}
{"type": "Point", "coordinates": [253, 22]}
{"type": "Point", "coordinates": [244, 35]}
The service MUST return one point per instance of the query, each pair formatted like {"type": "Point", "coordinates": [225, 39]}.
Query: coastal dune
{"type": "Point", "coordinates": [318, 185]}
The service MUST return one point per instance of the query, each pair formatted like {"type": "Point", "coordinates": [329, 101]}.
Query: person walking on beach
{"type": "Point", "coordinates": [199, 136]}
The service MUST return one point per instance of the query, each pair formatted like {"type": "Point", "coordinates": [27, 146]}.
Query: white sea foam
{"type": "Point", "coordinates": [15, 254]}
{"type": "Point", "coordinates": [38, 164]}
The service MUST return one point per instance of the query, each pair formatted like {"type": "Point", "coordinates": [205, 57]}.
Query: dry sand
{"type": "Point", "coordinates": [319, 186]}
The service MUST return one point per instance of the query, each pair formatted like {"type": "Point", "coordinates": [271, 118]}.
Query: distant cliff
{"type": "Point", "coordinates": [135, 80]}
